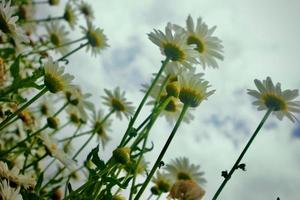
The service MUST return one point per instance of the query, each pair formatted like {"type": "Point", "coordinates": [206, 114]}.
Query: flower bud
{"type": "Point", "coordinates": [122, 155]}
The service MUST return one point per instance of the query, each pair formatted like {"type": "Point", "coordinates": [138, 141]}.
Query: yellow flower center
{"type": "Point", "coordinates": [163, 185]}
{"type": "Point", "coordinates": [117, 105]}
{"type": "Point", "coordinates": [191, 97]}
{"type": "Point", "coordinates": [173, 52]}
{"type": "Point", "coordinates": [53, 147]}
{"type": "Point", "coordinates": [183, 176]}
{"type": "Point", "coordinates": [195, 40]}
{"type": "Point", "coordinates": [53, 2]}
{"type": "Point", "coordinates": [69, 16]}
{"type": "Point", "coordinates": [54, 38]}
{"type": "Point", "coordinates": [95, 39]}
{"type": "Point", "coordinates": [99, 129]}
{"type": "Point", "coordinates": [53, 83]}
{"type": "Point", "coordinates": [274, 102]}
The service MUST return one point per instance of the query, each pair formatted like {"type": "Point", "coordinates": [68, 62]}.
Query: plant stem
{"type": "Point", "coordinates": [73, 51]}
{"type": "Point", "coordinates": [56, 47]}
{"type": "Point", "coordinates": [4, 123]}
{"type": "Point", "coordinates": [48, 19]}
{"type": "Point", "coordinates": [237, 162]}
{"type": "Point", "coordinates": [162, 153]}
{"type": "Point", "coordinates": [164, 64]}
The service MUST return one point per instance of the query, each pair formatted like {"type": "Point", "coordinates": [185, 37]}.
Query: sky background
{"type": "Point", "coordinates": [260, 38]}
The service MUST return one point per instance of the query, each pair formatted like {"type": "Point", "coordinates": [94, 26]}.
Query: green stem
{"type": "Point", "coordinates": [162, 153]}
{"type": "Point", "coordinates": [56, 47]}
{"type": "Point", "coordinates": [236, 164]}
{"type": "Point", "coordinates": [34, 162]}
{"type": "Point", "coordinates": [73, 51]}
{"type": "Point", "coordinates": [48, 19]}
{"type": "Point", "coordinates": [4, 123]}
{"type": "Point", "coordinates": [75, 136]}
{"type": "Point", "coordinates": [164, 64]}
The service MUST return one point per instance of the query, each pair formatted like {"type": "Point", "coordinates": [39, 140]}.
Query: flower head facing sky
{"type": "Point", "coordinates": [118, 103]}
{"type": "Point", "coordinates": [58, 36]}
{"type": "Point", "coordinates": [193, 89]}
{"type": "Point", "coordinates": [270, 96]}
{"type": "Point", "coordinates": [97, 41]}
{"type": "Point", "coordinates": [209, 47]}
{"type": "Point", "coordinates": [9, 193]}
{"type": "Point", "coordinates": [8, 22]}
{"type": "Point", "coordinates": [182, 169]}
{"type": "Point", "coordinates": [173, 45]}
{"type": "Point", "coordinates": [55, 79]}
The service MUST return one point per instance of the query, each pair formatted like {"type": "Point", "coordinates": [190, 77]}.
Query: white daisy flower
{"type": "Point", "coordinates": [162, 182]}
{"type": "Point", "coordinates": [209, 47]}
{"type": "Point", "coordinates": [97, 41]}
{"type": "Point", "coordinates": [55, 79]}
{"type": "Point", "coordinates": [193, 89]}
{"type": "Point", "coordinates": [181, 169]}
{"type": "Point", "coordinates": [9, 193]}
{"type": "Point", "coordinates": [57, 153]}
{"type": "Point", "coordinates": [79, 101]}
{"type": "Point", "coordinates": [86, 9]}
{"type": "Point", "coordinates": [270, 96]}
{"type": "Point", "coordinates": [70, 15]}
{"type": "Point", "coordinates": [8, 23]}
{"type": "Point", "coordinates": [58, 36]}
{"type": "Point", "coordinates": [173, 45]}
{"type": "Point", "coordinates": [14, 176]}
{"type": "Point", "coordinates": [117, 102]}
{"type": "Point", "coordinates": [101, 127]}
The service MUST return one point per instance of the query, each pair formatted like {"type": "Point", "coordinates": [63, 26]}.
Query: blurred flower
{"type": "Point", "coordinates": [70, 15]}
{"type": "Point", "coordinates": [86, 9]}
{"type": "Point", "coordinates": [118, 197]}
{"type": "Point", "coordinates": [162, 182]}
{"type": "Point", "coordinates": [79, 101]}
{"type": "Point", "coordinates": [57, 153]}
{"type": "Point", "coordinates": [101, 127]}
{"type": "Point", "coordinates": [186, 190]}
{"type": "Point", "coordinates": [173, 45]}
{"type": "Point", "coordinates": [9, 193]}
{"type": "Point", "coordinates": [58, 36]}
{"type": "Point", "coordinates": [209, 47]}
{"type": "Point", "coordinates": [270, 96]}
{"type": "Point", "coordinates": [117, 102]}
{"type": "Point", "coordinates": [53, 2]}
{"type": "Point", "coordinates": [55, 80]}
{"type": "Point", "coordinates": [27, 13]}
{"type": "Point", "coordinates": [8, 22]}
{"type": "Point", "coordinates": [181, 169]}
{"type": "Point", "coordinates": [14, 177]}
{"type": "Point", "coordinates": [193, 89]}
{"type": "Point", "coordinates": [97, 41]}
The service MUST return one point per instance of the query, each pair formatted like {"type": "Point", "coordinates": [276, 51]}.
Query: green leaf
{"type": "Point", "coordinates": [15, 71]}
{"type": "Point", "coordinates": [39, 182]}
{"type": "Point", "coordinates": [93, 155]}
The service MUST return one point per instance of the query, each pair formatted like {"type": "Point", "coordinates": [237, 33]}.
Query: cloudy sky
{"type": "Point", "coordinates": [261, 38]}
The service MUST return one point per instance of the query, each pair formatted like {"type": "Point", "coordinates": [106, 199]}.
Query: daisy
{"type": "Point", "coordinates": [209, 47]}
{"type": "Point", "coordinates": [174, 107]}
{"type": "Point", "coordinates": [9, 193]}
{"type": "Point", "coordinates": [58, 36]}
{"type": "Point", "coordinates": [54, 79]}
{"type": "Point", "coordinates": [70, 15]}
{"type": "Point", "coordinates": [101, 127]}
{"type": "Point", "coordinates": [8, 23]}
{"type": "Point", "coordinates": [270, 96]}
{"type": "Point", "coordinates": [14, 176]}
{"type": "Point", "coordinates": [86, 10]}
{"type": "Point", "coordinates": [79, 101]}
{"type": "Point", "coordinates": [181, 169]}
{"type": "Point", "coordinates": [97, 41]}
{"type": "Point", "coordinates": [162, 182]}
{"type": "Point", "coordinates": [173, 45]}
{"type": "Point", "coordinates": [193, 89]}
{"type": "Point", "coordinates": [57, 153]}
{"type": "Point", "coordinates": [117, 102]}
